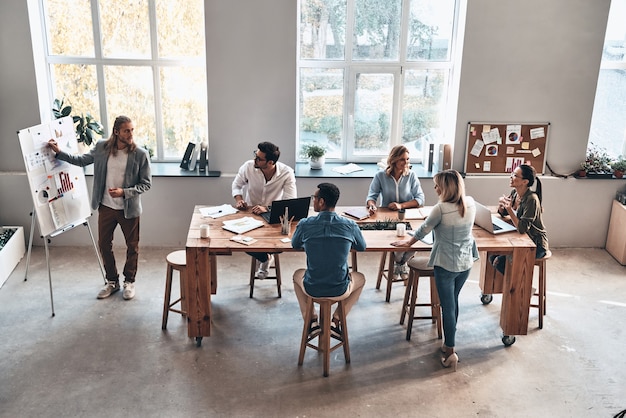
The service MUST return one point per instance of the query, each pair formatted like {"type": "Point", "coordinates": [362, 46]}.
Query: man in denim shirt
{"type": "Point", "coordinates": [327, 240]}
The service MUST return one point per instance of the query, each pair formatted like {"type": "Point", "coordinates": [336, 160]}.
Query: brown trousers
{"type": "Point", "coordinates": [108, 219]}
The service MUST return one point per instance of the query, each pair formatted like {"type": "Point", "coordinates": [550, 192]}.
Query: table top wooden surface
{"type": "Point", "coordinates": [269, 237]}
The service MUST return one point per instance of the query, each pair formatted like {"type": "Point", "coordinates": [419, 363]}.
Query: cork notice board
{"type": "Point", "coordinates": [498, 148]}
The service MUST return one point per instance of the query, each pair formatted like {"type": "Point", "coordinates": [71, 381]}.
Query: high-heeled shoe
{"type": "Point", "coordinates": [451, 361]}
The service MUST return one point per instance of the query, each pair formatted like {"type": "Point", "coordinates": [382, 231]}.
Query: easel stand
{"type": "Point", "coordinates": [46, 241]}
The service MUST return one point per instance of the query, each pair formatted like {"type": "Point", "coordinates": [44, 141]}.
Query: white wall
{"type": "Point", "coordinates": [522, 62]}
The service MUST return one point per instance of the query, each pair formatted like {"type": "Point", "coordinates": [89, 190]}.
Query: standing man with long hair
{"type": "Point", "coordinates": [121, 175]}
{"type": "Point", "coordinates": [454, 251]}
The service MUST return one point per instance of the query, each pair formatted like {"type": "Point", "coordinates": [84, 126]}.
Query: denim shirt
{"type": "Point", "coordinates": [405, 189]}
{"type": "Point", "coordinates": [454, 248]}
{"type": "Point", "coordinates": [327, 240]}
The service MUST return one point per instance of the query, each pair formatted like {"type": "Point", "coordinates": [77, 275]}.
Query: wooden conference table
{"type": "Point", "coordinates": [202, 255]}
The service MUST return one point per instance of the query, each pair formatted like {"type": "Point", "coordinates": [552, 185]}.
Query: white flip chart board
{"type": "Point", "coordinates": [58, 189]}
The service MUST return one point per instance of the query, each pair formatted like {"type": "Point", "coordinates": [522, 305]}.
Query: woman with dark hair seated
{"type": "Point", "coordinates": [523, 206]}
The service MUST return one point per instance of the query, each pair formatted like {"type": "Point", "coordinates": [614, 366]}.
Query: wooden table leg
{"type": "Point", "coordinates": [517, 292]}
{"type": "Point", "coordinates": [199, 268]}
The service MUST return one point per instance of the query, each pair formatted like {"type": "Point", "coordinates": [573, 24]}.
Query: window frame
{"type": "Point", "coordinates": [397, 68]}
{"type": "Point", "coordinates": [44, 60]}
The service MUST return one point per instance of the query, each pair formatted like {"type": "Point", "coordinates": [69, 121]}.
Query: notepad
{"type": "Point", "coordinates": [242, 225]}
{"type": "Point", "coordinates": [359, 213]}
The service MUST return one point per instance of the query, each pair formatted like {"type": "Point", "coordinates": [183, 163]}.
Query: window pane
{"type": "Point", "coordinates": [78, 87]}
{"type": "Point", "coordinates": [184, 102]}
{"type": "Point", "coordinates": [423, 106]}
{"type": "Point", "coordinates": [615, 39]}
{"type": "Point", "coordinates": [377, 29]}
{"type": "Point", "coordinates": [430, 30]}
{"type": "Point", "coordinates": [180, 28]}
{"type": "Point", "coordinates": [130, 92]}
{"type": "Point", "coordinates": [321, 108]}
{"type": "Point", "coordinates": [608, 126]}
{"type": "Point", "coordinates": [372, 113]}
{"type": "Point", "coordinates": [65, 37]}
{"type": "Point", "coordinates": [322, 29]}
{"type": "Point", "coordinates": [125, 29]}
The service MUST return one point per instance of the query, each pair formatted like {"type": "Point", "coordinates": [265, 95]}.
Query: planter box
{"type": "Point", "coordinates": [11, 253]}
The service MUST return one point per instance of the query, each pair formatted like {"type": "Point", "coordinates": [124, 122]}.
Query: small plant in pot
{"type": "Point", "coordinates": [596, 163]}
{"type": "Point", "coordinates": [618, 167]}
{"type": "Point", "coordinates": [88, 129]}
{"type": "Point", "coordinates": [316, 155]}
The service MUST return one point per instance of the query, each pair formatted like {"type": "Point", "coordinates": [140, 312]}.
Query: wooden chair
{"type": "Point", "coordinates": [387, 273]}
{"type": "Point", "coordinates": [176, 260]}
{"type": "Point", "coordinates": [276, 275]}
{"type": "Point", "coordinates": [418, 268]}
{"type": "Point", "coordinates": [541, 292]}
{"type": "Point", "coordinates": [323, 334]}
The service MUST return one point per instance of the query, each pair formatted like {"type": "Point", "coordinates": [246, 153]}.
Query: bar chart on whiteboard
{"type": "Point", "coordinates": [59, 189]}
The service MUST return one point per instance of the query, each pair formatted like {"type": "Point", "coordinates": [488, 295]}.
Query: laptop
{"type": "Point", "coordinates": [298, 209]}
{"type": "Point", "coordinates": [490, 222]}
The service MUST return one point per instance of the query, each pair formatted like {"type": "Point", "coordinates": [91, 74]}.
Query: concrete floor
{"type": "Point", "coordinates": [109, 358]}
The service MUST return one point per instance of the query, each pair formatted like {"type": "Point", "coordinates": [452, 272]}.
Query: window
{"type": "Point", "coordinates": [608, 123]}
{"type": "Point", "coordinates": [373, 74]}
{"type": "Point", "coordinates": [144, 59]}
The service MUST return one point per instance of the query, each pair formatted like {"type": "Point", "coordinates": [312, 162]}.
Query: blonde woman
{"type": "Point", "coordinates": [399, 188]}
{"type": "Point", "coordinates": [454, 251]}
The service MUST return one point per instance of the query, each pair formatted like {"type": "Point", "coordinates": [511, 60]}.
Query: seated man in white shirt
{"type": "Point", "coordinates": [258, 183]}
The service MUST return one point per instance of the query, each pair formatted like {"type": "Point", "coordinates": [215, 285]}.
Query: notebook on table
{"type": "Point", "coordinates": [298, 208]}
{"type": "Point", "coordinates": [359, 213]}
{"type": "Point", "coordinates": [490, 222]}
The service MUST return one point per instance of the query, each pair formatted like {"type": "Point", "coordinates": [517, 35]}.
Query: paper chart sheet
{"type": "Point", "coordinates": [59, 189]}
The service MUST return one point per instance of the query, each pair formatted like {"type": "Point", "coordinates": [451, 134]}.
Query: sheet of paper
{"type": "Point", "coordinates": [477, 148]}
{"type": "Point", "coordinates": [347, 169]}
{"type": "Point", "coordinates": [217, 211]}
{"type": "Point", "coordinates": [536, 133]}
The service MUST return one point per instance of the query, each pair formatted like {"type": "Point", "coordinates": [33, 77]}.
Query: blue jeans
{"type": "Point", "coordinates": [449, 286]}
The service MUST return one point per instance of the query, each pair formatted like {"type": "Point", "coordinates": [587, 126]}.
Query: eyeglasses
{"type": "Point", "coordinates": [314, 196]}
{"type": "Point", "coordinates": [513, 175]}
{"type": "Point", "coordinates": [257, 158]}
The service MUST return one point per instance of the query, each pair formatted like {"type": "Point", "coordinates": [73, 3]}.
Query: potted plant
{"type": "Point", "coordinates": [596, 163]}
{"type": "Point", "coordinates": [87, 127]}
{"type": "Point", "coordinates": [316, 155]}
{"type": "Point", "coordinates": [619, 166]}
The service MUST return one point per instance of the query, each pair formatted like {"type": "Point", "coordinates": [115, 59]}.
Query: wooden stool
{"type": "Point", "coordinates": [324, 332]}
{"type": "Point", "coordinates": [541, 293]}
{"type": "Point", "coordinates": [417, 269]}
{"type": "Point", "coordinates": [176, 260]}
{"type": "Point", "coordinates": [276, 275]}
{"type": "Point", "coordinates": [387, 273]}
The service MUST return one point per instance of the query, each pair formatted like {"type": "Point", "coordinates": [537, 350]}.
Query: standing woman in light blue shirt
{"type": "Point", "coordinates": [399, 188]}
{"type": "Point", "coordinates": [454, 250]}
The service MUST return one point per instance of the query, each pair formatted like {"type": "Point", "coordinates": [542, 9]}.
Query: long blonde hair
{"type": "Point", "coordinates": [452, 188]}
{"type": "Point", "coordinates": [111, 144]}
{"type": "Point", "coordinates": [396, 154]}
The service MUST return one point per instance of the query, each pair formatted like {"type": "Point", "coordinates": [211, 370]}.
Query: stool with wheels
{"type": "Point", "coordinates": [176, 260]}
{"type": "Point", "coordinates": [324, 332]}
{"type": "Point", "coordinates": [418, 268]}
{"type": "Point", "coordinates": [276, 275]}
{"type": "Point", "coordinates": [541, 292]}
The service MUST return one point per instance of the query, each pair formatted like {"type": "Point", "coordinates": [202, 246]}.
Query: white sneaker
{"type": "Point", "coordinates": [129, 290]}
{"type": "Point", "coordinates": [108, 289]}
{"type": "Point", "coordinates": [264, 268]}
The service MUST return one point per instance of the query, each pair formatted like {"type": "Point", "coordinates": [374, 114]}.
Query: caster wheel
{"type": "Point", "coordinates": [199, 341]}
{"type": "Point", "coordinates": [486, 299]}
{"type": "Point", "coordinates": [508, 340]}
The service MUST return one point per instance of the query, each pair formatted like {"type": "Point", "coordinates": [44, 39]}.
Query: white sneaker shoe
{"type": "Point", "coordinates": [108, 289]}
{"type": "Point", "coordinates": [404, 272]}
{"type": "Point", "coordinates": [129, 290]}
{"type": "Point", "coordinates": [264, 268]}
